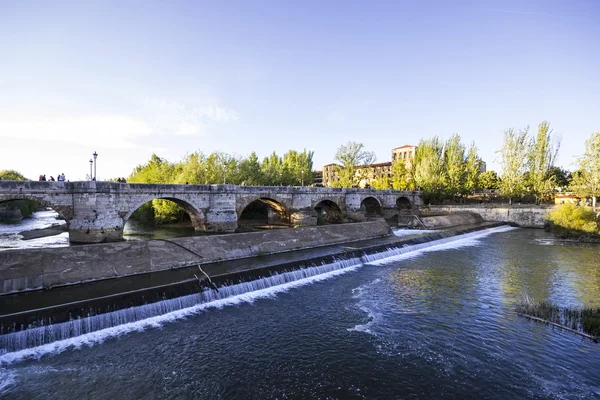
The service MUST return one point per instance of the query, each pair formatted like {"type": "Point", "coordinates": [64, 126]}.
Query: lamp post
{"type": "Point", "coordinates": [95, 163]}
{"type": "Point", "coordinates": [302, 177]}
{"type": "Point", "coordinates": [91, 162]}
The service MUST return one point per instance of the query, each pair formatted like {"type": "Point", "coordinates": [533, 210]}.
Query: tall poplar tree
{"type": "Point", "coordinates": [541, 156]}
{"type": "Point", "coordinates": [513, 159]}
{"type": "Point", "coordinates": [429, 173]}
{"type": "Point", "coordinates": [454, 166]}
{"type": "Point", "coordinates": [587, 180]}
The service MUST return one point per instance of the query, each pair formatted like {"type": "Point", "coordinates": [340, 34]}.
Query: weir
{"type": "Point", "coordinates": [90, 327]}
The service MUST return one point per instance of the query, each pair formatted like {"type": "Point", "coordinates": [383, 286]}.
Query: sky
{"type": "Point", "coordinates": [127, 79]}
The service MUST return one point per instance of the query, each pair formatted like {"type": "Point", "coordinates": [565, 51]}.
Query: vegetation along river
{"type": "Point", "coordinates": [438, 322]}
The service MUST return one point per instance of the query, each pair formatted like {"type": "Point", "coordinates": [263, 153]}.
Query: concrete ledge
{"type": "Point", "coordinates": [525, 215]}
{"type": "Point", "coordinates": [22, 270]}
{"type": "Point", "coordinates": [450, 220]}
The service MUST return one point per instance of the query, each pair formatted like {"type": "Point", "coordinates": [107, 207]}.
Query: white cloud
{"type": "Point", "coordinates": [117, 130]}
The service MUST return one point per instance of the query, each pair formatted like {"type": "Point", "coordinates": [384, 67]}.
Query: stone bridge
{"type": "Point", "coordinates": [97, 211]}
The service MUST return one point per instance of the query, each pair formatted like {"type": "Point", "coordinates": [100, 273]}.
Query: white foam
{"type": "Point", "coordinates": [453, 242]}
{"type": "Point", "coordinates": [7, 380]}
{"type": "Point", "coordinates": [407, 232]}
{"type": "Point", "coordinates": [95, 337]}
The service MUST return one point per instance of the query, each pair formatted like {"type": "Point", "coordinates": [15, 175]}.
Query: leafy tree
{"type": "Point", "coordinates": [488, 180]}
{"type": "Point", "coordinates": [350, 156]}
{"type": "Point", "coordinates": [401, 176]}
{"type": "Point", "coordinates": [513, 157]}
{"type": "Point", "coordinates": [429, 169]}
{"type": "Point", "coordinates": [587, 181]}
{"type": "Point", "coordinates": [540, 158]}
{"type": "Point", "coordinates": [192, 169]}
{"type": "Point", "coordinates": [297, 167]}
{"type": "Point", "coordinates": [562, 177]}
{"type": "Point", "coordinates": [471, 177]}
{"type": "Point", "coordinates": [250, 171]}
{"type": "Point", "coordinates": [382, 183]}
{"type": "Point", "coordinates": [272, 170]}
{"type": "Point", "coordinates": [157, 170]}
{"type": "Point", "coordinates": [454, 166]}
{"type": "Point", "coordinates": [12, 175]}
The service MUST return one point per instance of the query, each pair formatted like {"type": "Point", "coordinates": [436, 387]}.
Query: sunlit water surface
{"type": "Point", "coordinates": [434, 323]}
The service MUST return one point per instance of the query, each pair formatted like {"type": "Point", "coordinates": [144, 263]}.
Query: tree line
{"type": "Point", "coordinates": [451, 170]}
{"type": "Point", "coordinates": [294, 168]}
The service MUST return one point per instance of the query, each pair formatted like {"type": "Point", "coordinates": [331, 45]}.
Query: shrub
{"type": "Point", "coordinates": [569, 220]}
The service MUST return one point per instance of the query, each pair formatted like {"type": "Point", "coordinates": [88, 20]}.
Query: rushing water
{"type": "Point", "coordinates": [10, 238]}
{"type": "Point", "coordinates": [133, 230]}
{"type": "Point", "coordinates": [429, 322]}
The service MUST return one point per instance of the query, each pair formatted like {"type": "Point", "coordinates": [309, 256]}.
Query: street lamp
{"type": "Point", "coordinates": [91, 162]}
{"type": "Point", "coordinates": [95, 156]}
{"type": "Point", "coordinates": [302, 177]}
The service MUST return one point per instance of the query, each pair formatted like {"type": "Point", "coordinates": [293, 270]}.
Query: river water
{"type": "Point", "coordinates": [133, 230]}
{"type": "Point", "coordinates": [431, 323]}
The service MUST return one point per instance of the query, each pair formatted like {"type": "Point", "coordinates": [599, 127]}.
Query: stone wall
{"type": "Point", "coordinates": [44, 268]}
{"type": "Point", "coordinates": [527, 216]}
{"type": "Point", "coordinates": [450, 220]}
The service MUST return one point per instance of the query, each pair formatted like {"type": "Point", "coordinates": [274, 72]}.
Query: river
{"type": "Point", "coordinates": [133, 230]}
{"type": "Point", "coordinates": [431, 323]}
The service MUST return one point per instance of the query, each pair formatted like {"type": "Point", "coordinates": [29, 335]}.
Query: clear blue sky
{"type": "Point", "coordinates": [127, 79]}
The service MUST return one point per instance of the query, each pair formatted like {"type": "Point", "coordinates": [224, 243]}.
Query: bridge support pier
{"type": "Point", "coordinates": [304, 218]}
{"type": "Point", "coordinates": [222, 221]}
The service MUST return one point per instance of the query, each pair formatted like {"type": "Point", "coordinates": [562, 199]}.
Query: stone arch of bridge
{"type": "Point", "coordinates": [371, 207]}
{"type": "Point", "coordinates": [328, 211]}
{"type": "Point", "coordinates": [403, 203]}
{"type": "Point", "coordinates": [274, 202]}
{"type": "Point", "coordinates": [276, 205]}
{"type": "Point", "coordinates": [65, 212]}
{"type": "Point", "coordinates": [196, 215]}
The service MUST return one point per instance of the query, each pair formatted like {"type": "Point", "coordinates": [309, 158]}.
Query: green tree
{"type": "Point", "coordinates": [471, 177]}
{"type": "Point", "coordinates": [562, 177]}
{"type": "Point", "coordinates": [192, 169]}
{"type": "Point", "coordinates": [587, 181]}
{"type": "Point", "coordinates": [157, 170]}
{"type": "Point", "coordinates": [488, 180]}
{"type": "Point", "coordinates": [12, 175]}
{"type": "Point", "coordinates": [513, 157]}
{"type": "Point", "coordinates": [382, 183]}
{"type": "Point", "coordinates": [250, 171]}
{"type": "Point", "coordinates": [401, 176]}
{"type": "Point", "coordinates": [429, 173]}
{"type": "Point", "coordinates": [454, 166]}
{"type": "Point", "coordinates": [542, 153]}
{"type": "Point", "coordinates": [272, 170]}
{"type": "Point", "coordinates": [351, 156]}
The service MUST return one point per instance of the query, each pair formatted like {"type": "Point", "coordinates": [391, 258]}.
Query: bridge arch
{"type": "Point", "coordinates": [264, 209]}
{"type": "Point", "coordinates": [65, 212]}
{"type": "Point", "coordinates": [196, 215]}
{"type": "Point", "coordinates": [328, 211]}
{"type": "Point", "coordinates": [371, 207]}
{"type": "Point", "coordinates": [403, 203]}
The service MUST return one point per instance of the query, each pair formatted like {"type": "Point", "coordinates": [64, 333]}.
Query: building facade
{"type": "Point", "coordinates": [404, 153]}
{"type": "Point", "coordinates": [366, 175]}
